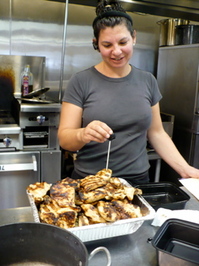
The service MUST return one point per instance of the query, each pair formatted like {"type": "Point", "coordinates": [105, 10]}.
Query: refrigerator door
{"type": "Point", "coordinates": [178, 76]}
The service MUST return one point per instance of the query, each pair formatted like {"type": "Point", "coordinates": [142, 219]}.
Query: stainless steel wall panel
{"type": "Point", "coordinates": [16, 63]}
{"type": "Point", "coordinates": [34, 28]}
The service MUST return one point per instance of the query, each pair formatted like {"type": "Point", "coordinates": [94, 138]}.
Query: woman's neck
{"type": "Point", "coordinates": [113, 72]}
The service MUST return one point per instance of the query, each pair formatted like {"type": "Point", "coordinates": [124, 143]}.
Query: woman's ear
{"type": "Point", "coordinates": [95, 45]}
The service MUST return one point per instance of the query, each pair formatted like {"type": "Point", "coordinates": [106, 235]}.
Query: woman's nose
{"type": "Point", "coordinates": [116, 50]}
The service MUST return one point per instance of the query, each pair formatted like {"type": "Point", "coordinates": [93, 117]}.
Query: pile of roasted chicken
{"type": "Point", "coordinates": [98, 198]}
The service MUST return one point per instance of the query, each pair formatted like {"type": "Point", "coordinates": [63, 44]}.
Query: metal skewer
{"type": "Point", "coordinates": [109, 148]}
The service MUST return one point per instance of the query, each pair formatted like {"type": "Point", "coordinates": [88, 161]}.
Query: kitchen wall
{"type": "Point", "coordinates": [36, 28]}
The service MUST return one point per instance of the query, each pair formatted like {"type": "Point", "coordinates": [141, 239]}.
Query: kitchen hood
{"type": "Point", "coordinates": [185, 9]}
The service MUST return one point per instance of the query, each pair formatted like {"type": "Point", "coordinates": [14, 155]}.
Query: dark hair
{"type": "Point", "coordinates": [109, 14]}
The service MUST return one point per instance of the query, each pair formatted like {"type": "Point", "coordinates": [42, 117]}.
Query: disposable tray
{"type": "Point", "coordinates": [164, 195]}
{"type": "Point", "coordinates": [106, 230]}
{"type": "Point", "coordinates": [177, 243]}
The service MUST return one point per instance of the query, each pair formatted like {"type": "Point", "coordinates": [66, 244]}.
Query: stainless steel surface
{"type": "Point", "coordinates": [134, 249]}
{"type": "Point", "coordinates": [16, 63]}
{"type": "Point", "coordinates": [63, 50]}
{"type": "Point", "coordinates": [16, 215]}
{"type": "Point", "coordinates": [40, 120]}
{"type": "Point", "coordinates": [177, 8]}
{"type": "Point", "coordinates": [12, 167]}
{"type": "Point", "coordinates": [41, 32]}
{"type": "Point", "coordinates": [36, 156]}
{"type": "Point", "coordinates": [17, 171]}
{"type": "Point", "coordinates": [178, 76]}
{"type": "Point", "coordinates": [168, 30]}
{"type": "Point", "coordinates": [12, 133]}
{"type": "Point", "coordinates": [55, 108]}
{"type": "Point", "coordinates": [51, 165]}
{"type": "Point", "coordinates": [35, 31]}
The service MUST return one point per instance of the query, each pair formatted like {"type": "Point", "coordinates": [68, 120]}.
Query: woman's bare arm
{"type": "Point", "coordinates": [164, 146]}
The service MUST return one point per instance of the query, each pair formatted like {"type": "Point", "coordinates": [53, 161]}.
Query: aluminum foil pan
{"type": "Point", "coordinates": [106, 230]}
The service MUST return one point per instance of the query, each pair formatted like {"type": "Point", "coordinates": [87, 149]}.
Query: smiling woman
{"type": "Point", "coordinates": [114, 96]}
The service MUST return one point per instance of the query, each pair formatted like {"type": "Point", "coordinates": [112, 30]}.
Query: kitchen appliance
{"type": "Point", "coordinates": [178, 79]}
{"type": "Point", "coordinates": [43, 244]}
{"type": "Point", "coordinates": [177, 243]}
{"type": "Point", "coordinates": [29, 148]}
{"type": "Point", "coordinates": [29, 152]}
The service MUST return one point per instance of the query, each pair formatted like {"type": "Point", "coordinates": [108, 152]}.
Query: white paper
{"type": "Point", "coordinates": [163, 214]}
{"type": "Point", "coordinates": [192, 185]}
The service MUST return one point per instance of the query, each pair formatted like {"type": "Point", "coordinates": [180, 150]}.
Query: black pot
{"type": "Point", "coordinates": [187, 34]}
{"type": "Point", "coordinates": [41, 244]}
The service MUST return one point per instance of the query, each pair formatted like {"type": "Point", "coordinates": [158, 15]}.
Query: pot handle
{"type": "Point", "coordinates": [96, 250]}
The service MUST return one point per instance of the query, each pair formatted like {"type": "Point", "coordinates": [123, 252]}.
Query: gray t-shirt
{"type": "Point", "coordinates": [124, 104]}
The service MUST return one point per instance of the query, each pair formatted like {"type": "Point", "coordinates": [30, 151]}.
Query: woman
{"type": "Point", "coordinates": [115, 97]}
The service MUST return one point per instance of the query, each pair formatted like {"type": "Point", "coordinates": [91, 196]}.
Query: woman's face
{"type": "Point", "coordinates": [116, 46]}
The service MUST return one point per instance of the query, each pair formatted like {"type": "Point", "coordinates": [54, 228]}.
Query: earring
{"type": "Point", "coordinates": [133, 44]}
{"type": "Point", "coordinates": [95, 46]}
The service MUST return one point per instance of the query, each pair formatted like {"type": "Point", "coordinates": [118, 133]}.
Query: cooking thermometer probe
{"type": "Point", "coordinates": [109, 148]}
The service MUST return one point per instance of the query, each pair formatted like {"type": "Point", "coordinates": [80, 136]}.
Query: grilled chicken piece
{"type": "Point", "coordinates": [92, 182]}
{"type": "Point", "coordinates": [78, 201]}
{"type": "Point", "coordinates": [93, 196]}
{"type": "Point", "coordinates": [63, 194]}
{"type": "Point", "coordinates": [126, 210]}
{"type": "Point", "coordinates": [67, 218]}
{"type": "Point", "coordinates": [105, 174]}
{"type": "Point", "coordinates": [138, 191]}
{"type": "Point", "coordinates": [129, 192]}
{"type": "Point", "coordinates": [71, 182]}
{"type": "Point", "coordinates": [83, 220]}
{"type": "Point", "coordinates": [48, 211]}
{"type": "Point", "coordinates": [115, 182]}
{"type": "Point", "coordinates": [93, 214]}
{"type": "Point", "coordinates": [114, 193]}
{"type": "Point", "coordinates": [38, 191]}
{"type": "Point", "coordinates": [51, 213]}
{"type": "Point", "coordinates": [107, 211]}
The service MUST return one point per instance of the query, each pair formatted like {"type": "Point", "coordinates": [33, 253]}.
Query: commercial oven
{"type": "Point", "coordinates": [29, 151]}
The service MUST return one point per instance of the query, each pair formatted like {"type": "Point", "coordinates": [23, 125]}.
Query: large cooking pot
{"type": "Point", "coordinates": [187, 34]}
{"type": "Point", "coordinates": [168, 30]}
{"type": "Point", "coordinates": [42, 244]}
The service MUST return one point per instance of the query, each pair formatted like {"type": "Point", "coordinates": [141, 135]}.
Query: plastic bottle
{"type": "Point", "coordinates": [26, 81]}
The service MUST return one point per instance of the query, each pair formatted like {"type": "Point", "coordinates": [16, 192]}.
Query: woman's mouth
{"type": "Point", "coordinates": [117, 59]}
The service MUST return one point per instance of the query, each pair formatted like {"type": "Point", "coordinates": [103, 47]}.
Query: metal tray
{"type": "Point", "coordinates": [36, 93]}
{"type": "Point", "coordinates": [106, 230]}
{"type": "Point", "coordinates": [164, 195]}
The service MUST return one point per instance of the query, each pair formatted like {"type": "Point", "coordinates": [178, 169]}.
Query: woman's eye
{"type": "Point", "coordinates": [123, 43]}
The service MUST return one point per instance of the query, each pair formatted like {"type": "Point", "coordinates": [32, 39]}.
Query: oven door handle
{"type": "Point", "coordinates": [20, 166]}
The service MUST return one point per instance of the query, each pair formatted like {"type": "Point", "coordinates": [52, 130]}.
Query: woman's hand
{"type": "Point", "coordinates": [191, 172]}
{"type": "Point", "coordinates": [95, 131]}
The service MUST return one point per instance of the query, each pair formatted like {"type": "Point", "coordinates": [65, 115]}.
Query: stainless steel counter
{"type": "Point", "coordinates": [126, 250]}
